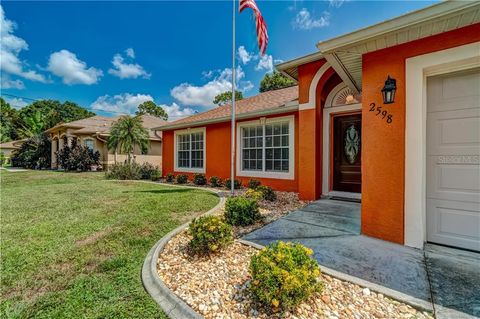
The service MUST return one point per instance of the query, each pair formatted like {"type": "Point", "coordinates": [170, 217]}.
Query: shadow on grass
{"type": "Point", "coordinates": [164, 191]}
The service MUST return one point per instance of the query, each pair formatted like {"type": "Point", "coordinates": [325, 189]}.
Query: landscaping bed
{"type": "Point", "coordinates": [216, 286]}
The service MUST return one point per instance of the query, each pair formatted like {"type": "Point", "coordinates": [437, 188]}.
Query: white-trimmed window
{"type": "Point", "coordinates": [190, 150]}
{"type": "Point", "coordinates": [265, 148]}
{"type": "Point", "coordinates": [88, 143]}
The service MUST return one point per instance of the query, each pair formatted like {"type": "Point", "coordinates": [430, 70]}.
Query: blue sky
{"type": "Point", "coordinates": [111, 56]}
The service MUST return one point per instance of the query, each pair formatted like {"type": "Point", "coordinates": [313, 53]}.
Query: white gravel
{"type": "Point", "coordinates": [216, 287]}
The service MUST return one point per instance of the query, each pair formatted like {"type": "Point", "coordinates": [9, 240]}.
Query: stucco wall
{"type": "Point", "coordinates": [218, 155]}
{"type": "Point", "coordinates": [383, 155]}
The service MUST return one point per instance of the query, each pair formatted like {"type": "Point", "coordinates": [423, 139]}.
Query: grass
{"type": "Point", "coordinates": [73, 244]}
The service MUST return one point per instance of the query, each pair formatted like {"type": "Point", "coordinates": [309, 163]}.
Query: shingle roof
{"type": "Point", "coordinates": [101, 124]}
{"type": "Point", "coordinates": [270, 100]}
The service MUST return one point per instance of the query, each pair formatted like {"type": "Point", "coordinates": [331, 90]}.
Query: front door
{"type": "Point", "coordinates": [347, 155]}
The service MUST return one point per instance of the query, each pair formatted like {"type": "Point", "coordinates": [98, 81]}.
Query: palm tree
{"type": "Point", "coordinates": [126, 133]}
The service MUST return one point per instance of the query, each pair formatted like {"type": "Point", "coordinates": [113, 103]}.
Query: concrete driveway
{"type": "Point", "coordinates": [443, 279]}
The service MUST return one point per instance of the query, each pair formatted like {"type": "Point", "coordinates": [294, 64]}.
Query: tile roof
{"type": "Point", "coordinates": [264, 101]}
{"type": "Point", "coordinates": [101, 124]}
{"type": "Point", "coordinates": [12, 144]}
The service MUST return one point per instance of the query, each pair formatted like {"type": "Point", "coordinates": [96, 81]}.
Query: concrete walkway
{"type": "Point", "coordinates": [332, 229]}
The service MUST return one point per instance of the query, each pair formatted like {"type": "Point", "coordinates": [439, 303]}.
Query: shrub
{"type": "Point", "coordinates": [199, 179]}
{"type": "Point", "coordinates": [253, 183]}
{"type": "Point", "coordinates": [283, 275]}
{"type": "Point", "coordinates": [124, 171]}
{"type": "Point", "coordinates": [267, 193]}
{"type": "Point", "coordinates": [254, 194]}
{"type": "Point", "coordinates": [169, 177]}
{"type": "Point", "coordinates": [241, 211]}
{"type": "Point", "coordinates": [236, 184]}
{"type": "Point", "coordinates": [215, 181]}
{"type": "Point", "coordinates": [35, 152]}
{"type": "Point", "coordinates": [156, 175]}
{"type": "Point", "coordinates": [148, 170]}
{"type": "Point", "coordinates": [3, 159]}
{"type": "Point", "coordinates": [77, 157]}
{"type": "Point", "coordinates": [182, 179]}
{"type": "Point", "coordinates": [209, 234]}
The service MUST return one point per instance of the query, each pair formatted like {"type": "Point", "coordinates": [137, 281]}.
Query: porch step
{"type": "Point", "coordinates": [346, 199]}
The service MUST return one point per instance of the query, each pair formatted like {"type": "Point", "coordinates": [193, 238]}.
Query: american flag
{"type": "Point", "coordinates": [262, 35]}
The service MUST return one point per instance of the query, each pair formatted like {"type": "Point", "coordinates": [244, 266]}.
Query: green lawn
{"type": "Point", "coordinates": [73, 244]}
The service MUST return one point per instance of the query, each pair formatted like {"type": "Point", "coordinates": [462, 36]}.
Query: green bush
{"type": "Point", "coordinates": [124, 171]}
{"type": "Point", "coordinates": [254, 183]}
{"type": "Point", "coordinates": [148, 171]}
{"type": "Point", "coordinates": [215, 181]}
{"type": "Point", "coordinates": [77, 157]}
{"type": "Point", "coordinates": [34, 153]}
{"type": "Point", "coordinates": [283, 275]}
{"type": "Point", "coordinates": [254, 194]}
{"type": "Point", "coordinates": [156, 175]}
{"type": "Point", "coordinates": [267, 193]}
{"type": "Point", "coordinates": [199, 179]}
{"type": "Point", "coordinates": [169, 178]}
{"type": "Point", "coordinates": [209, 235]}
{"type": "Point", "coordinates": [237, 184]}
{"type": "Point", "coordinates": [182, 179]}
{"type": "Point", "coordinates": [241, 211]}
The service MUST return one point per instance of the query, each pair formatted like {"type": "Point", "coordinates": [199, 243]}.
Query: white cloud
{"type": "Point", "coordinates": [265, 63]}
{"type": "Point", "coordinates": [66, 65]}
{"type": "Point", "coordinates": [189, 94]}
{"type": "Point", "coordinates": [175, 112]}
{"type": "Point", "coordinates": [244, 55]}
{"type": "Point", "coordinates": [10, 48]}
{"type": "Point", "coordinates": [130, 53]}
{"type": "Point", "coordinates": [16, 102]}
{"type": "Point", "coordinates": [125, 70]}
{"type": "Point", "coordinates": [303, 20]}
{"type": "Point", "coordinates": [336, 3]}
{"type": "Point", "coordinates": [7, 83]}
{"type": "Point", "coordinates": [121, 103]}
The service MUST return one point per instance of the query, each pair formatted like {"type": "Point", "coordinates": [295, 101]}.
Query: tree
{"type": "Point", "coordinates": [149, 107]}
{"type": "Point", "coordinates": [32, 125]}
{"type": "Point", "coordinates": [226, 97]}
{"type": "Point", "coordinates": [8, 122]}
{"type": "Point", "coordinates": [275, 81]}
{"type": "Point", "coordinates": [126, 133]}
{"type": "Point", "coordinates": [53, 112]}
{"type": "Point", "coordinates": [35, 153]}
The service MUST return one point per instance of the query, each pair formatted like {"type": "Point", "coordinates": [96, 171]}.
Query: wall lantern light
{"type": "Point", "coordinates": [388, 91]}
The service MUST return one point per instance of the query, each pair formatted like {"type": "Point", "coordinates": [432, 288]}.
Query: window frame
{"type": "Point", "coordinates": [175, 151]}
{"type": "Point", "coordinates": [291, 149]}
{"type": "Point", "coordinates": [89, 139]}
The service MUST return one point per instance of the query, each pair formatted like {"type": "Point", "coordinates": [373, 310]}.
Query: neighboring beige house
{"type": "Point", "coordinates": [94, 131]}
{"type": "Point", "coordinates": [8, 147]}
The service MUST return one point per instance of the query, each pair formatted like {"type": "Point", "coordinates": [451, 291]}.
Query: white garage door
{"type": "Point", "coordinates": [453, 168]}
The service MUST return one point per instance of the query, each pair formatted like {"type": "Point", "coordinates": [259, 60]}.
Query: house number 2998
{"type": "Point", "coordinates": [383, 113]}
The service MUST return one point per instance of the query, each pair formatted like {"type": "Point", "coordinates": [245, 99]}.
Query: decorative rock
{"type": "Point", "coordinates": [217, 287]}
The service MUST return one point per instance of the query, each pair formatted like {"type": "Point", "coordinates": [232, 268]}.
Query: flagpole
{"type": "Point", "coordinates": [232, 143]}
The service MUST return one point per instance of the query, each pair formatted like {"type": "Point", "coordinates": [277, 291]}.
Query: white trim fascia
{"type": "Point", "coordinates": [287, 107]}
{"type": "Point", "coordinates": [342, 72]}
{"type": "Point", "coordinates": [184, 169]}
{"type": "Point", "coordinates": [377, 30]}
{"type": "Point", "coordinates": [416, 71]}
{"type": "Point", "coordinates": [299, 61]}
{"type": "Point", "coordinates": [313, 87]}
{"type": "Point", "coordinates": [291, 140]}
{"type": "Point", "coordinates": [327, 114]}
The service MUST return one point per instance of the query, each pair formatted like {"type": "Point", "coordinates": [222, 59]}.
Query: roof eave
{"type": "Point", "coordinates": [391, 25]}
{"type": "Point", "coordinates": [287, 107]}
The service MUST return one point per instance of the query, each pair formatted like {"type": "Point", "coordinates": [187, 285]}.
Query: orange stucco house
{"type": "Point", "coordinates": [413, 161]}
